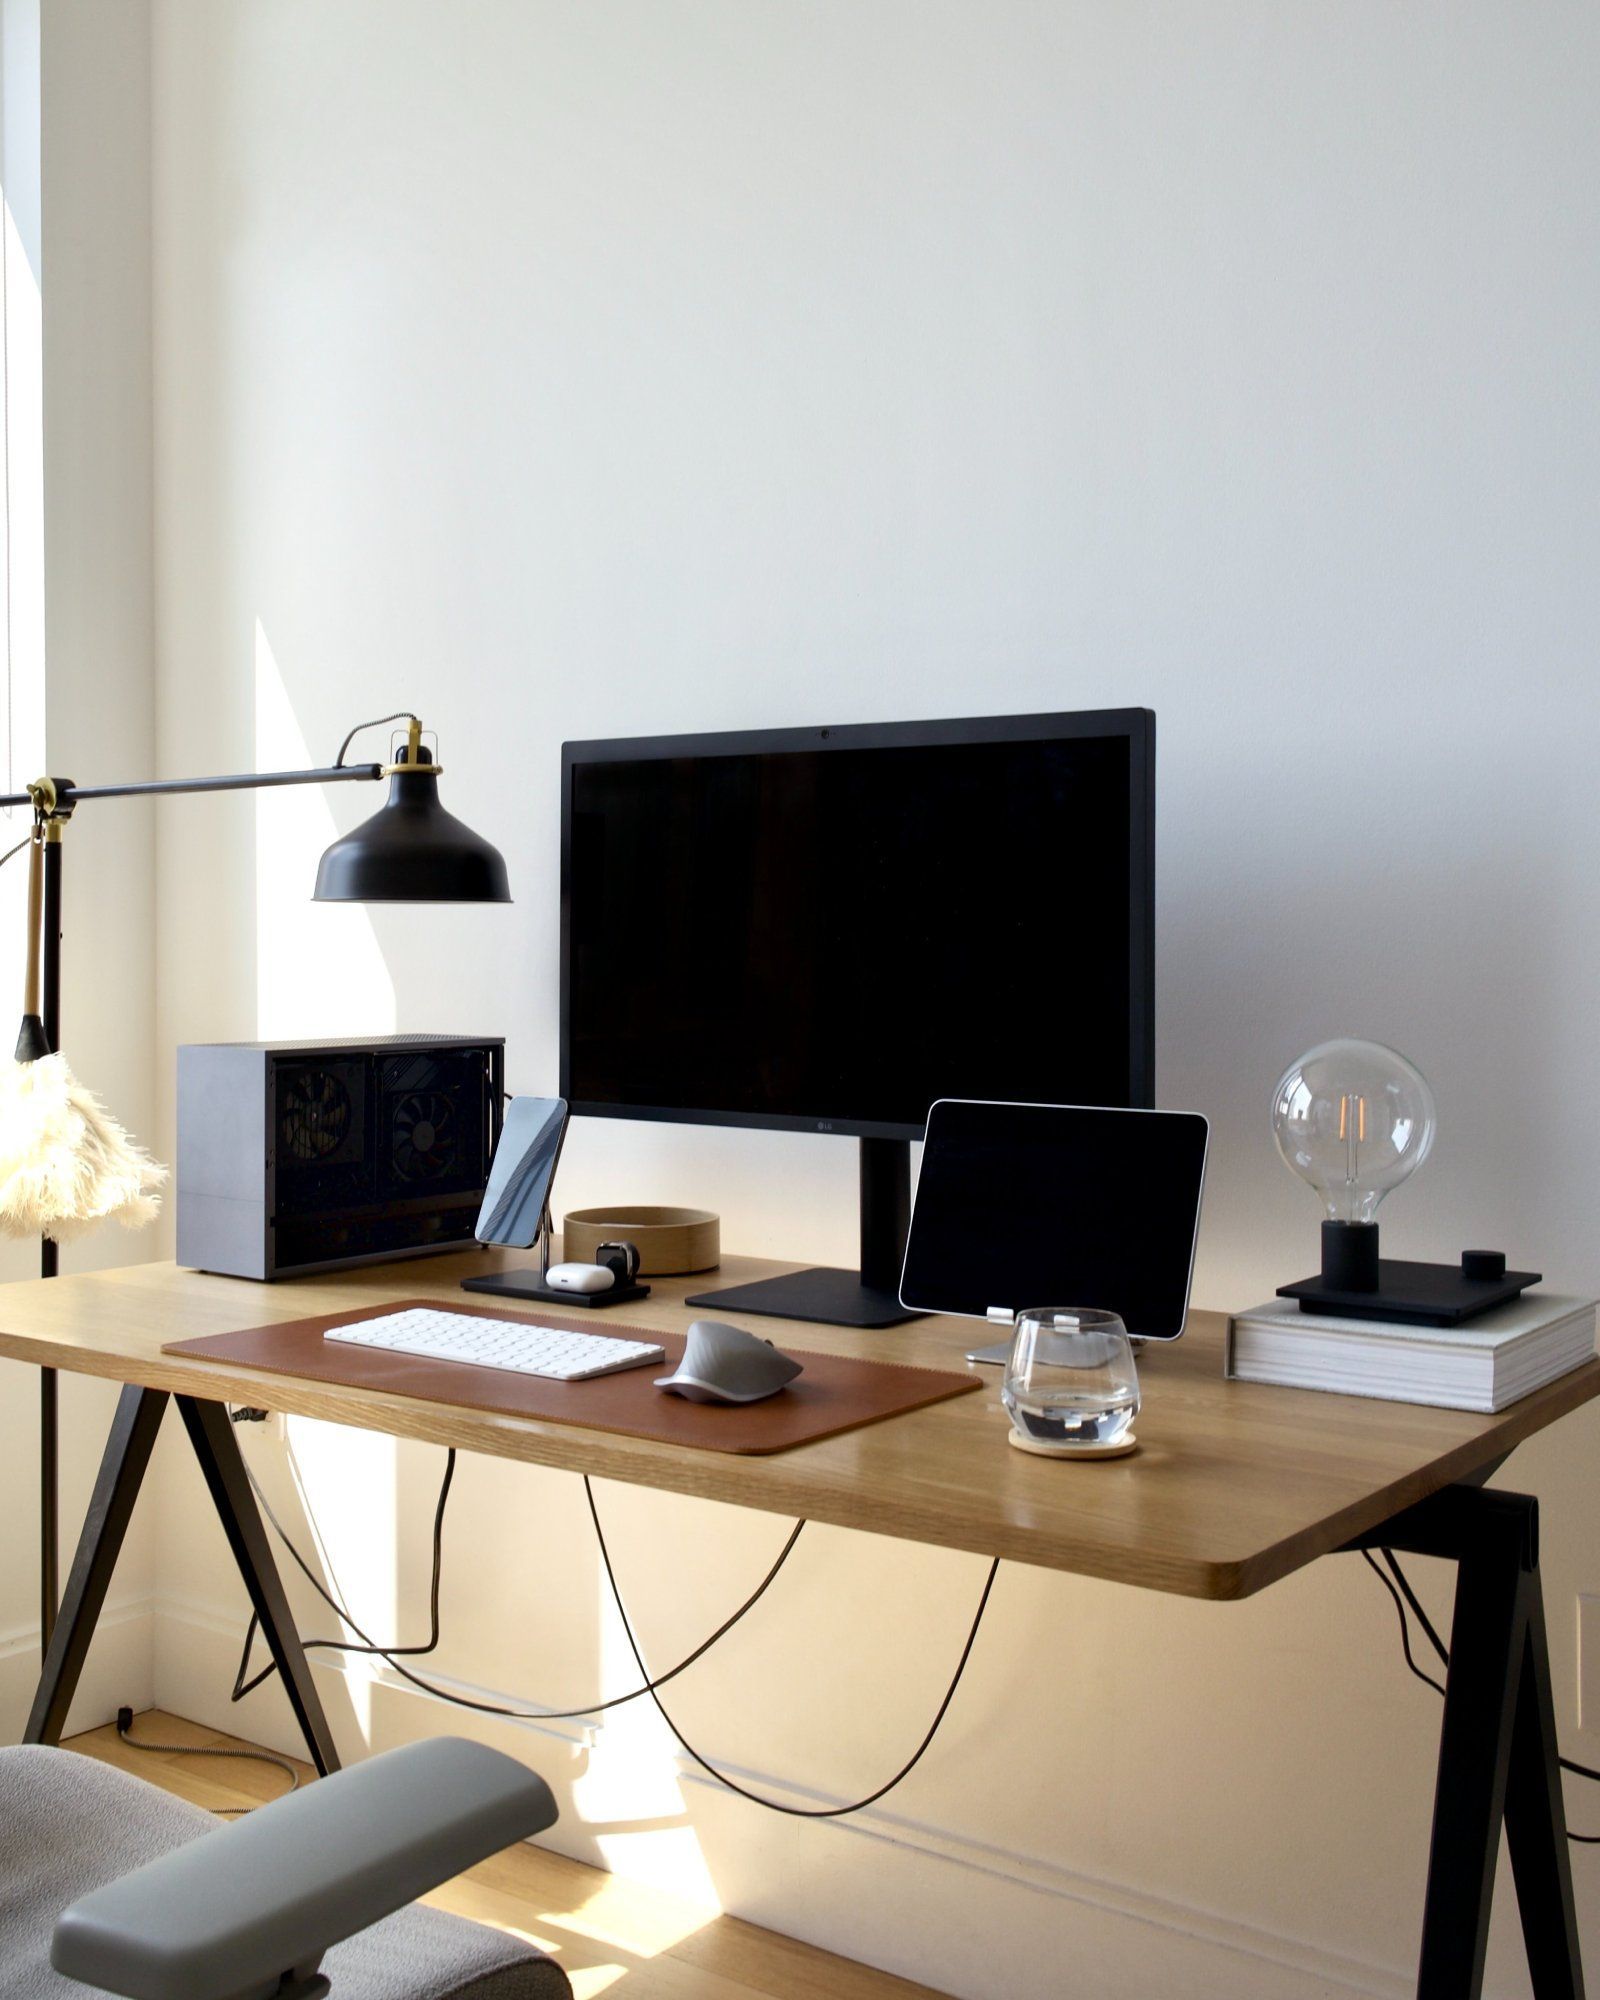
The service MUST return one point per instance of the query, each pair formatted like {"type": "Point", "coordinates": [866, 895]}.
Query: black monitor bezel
{"type": "Point", "coordinates": [1136, 725]}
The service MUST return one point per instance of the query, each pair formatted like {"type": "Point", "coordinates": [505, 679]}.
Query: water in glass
{"type": "Point", "coordinates": [1071, 1381]}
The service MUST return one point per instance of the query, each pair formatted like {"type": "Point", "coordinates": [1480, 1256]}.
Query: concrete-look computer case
{"type": "Point", "coordinates": [308, 1156]}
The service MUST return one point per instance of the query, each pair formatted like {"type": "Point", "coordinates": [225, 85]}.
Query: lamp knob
{"type": "Point", "coordinates": [1483, 1265]}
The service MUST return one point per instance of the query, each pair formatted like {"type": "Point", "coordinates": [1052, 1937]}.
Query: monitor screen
{"type": "Point", "coordinates": [827, 929]}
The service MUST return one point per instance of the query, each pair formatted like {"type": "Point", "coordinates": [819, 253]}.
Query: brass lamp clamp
{"type": "Point", "coordinates": [52, 804]}
{"type": "Point", "coordinates": [413, 761]}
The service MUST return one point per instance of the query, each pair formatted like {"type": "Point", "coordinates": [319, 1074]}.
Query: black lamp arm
{"type": "Point", "coordinates": [68, 795]}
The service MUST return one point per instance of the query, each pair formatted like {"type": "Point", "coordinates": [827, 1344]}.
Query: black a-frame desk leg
{"type": "Point", "coordinates": [1498, 1755]}
{"type": "Point", "coordinates": [116, 1487]}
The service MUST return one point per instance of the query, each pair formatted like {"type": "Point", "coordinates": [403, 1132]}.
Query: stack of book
{"type": "Point", "coordinates": [1484, 1365]}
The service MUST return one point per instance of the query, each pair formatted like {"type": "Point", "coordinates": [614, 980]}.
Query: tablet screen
{"type": "Point", "coordinates": [1057, 1205]}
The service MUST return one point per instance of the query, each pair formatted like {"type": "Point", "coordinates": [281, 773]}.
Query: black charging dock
{"type": "Point", "coordinates": [526, 1285]}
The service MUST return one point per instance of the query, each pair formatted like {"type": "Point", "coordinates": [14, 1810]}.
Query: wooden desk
{"type": "Point", "coordinates": [1234, 1486]}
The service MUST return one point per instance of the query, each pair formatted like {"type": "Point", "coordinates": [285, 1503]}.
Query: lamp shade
{"type": "Point", "coordinates": [412, 851]}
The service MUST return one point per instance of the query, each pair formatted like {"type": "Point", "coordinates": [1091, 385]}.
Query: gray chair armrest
{"type": "Point", "coordinates": [224, 1918]}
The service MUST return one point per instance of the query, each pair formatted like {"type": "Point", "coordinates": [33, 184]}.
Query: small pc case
{"type": "Point", "coordinates": [310, 1156]}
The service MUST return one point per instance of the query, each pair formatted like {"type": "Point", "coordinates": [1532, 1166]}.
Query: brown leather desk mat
{"type": "Point", "coordinates": [834, 1394]}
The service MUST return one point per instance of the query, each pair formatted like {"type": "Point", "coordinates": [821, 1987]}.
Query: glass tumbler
{"type": "Point", "coordinates": [1071, 1385]}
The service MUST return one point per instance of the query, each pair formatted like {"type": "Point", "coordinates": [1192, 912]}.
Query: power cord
{"type": "Point", "coordinates": [722, 1778]}
{"type": "Point", "coordinates": [1404, 1596]}
{"type": "Point", "coordinates": [392, 1654]}
{"type": "Point", "coordinates": [400, 715]}
{"type": "Point", "coordinates": [242, 1686]}
{"type": "Point", "coordinates": [651, 1685]}
{"type": "Point", "coordinates": [125, 1732]}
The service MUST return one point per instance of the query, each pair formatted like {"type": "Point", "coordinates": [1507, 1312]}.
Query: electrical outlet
{"type": "Point", "coordinates": [1589, 1664]}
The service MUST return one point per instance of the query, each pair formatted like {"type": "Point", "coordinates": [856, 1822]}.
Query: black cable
{"type": "Point", "coordinates": [391, 1654]}
{"type": "Point", "coordinates": [125, 1731]}
{"type": "Point", "coordinates": [1405, 1628]}
{"type": "Point", "coordinates": [242, 1687]}
{"type": "Point", "coordinates": [1441, 1651]}
{"type": "Point", "coordinates": [400, 715]}
{"type": "Point", "coordinates": [1566, 1763]}
{"type": "Point", "coordinates": [755, 1798]}
{"type": "Point", "coordinates": [650, 1685]}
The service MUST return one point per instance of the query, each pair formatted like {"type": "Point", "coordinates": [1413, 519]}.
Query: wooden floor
{"type": "Point", "coordinates": [612, 1936]}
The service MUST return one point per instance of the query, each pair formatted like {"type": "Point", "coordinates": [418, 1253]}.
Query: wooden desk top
{"type": "Point", "coordinates": [1234, 1485]}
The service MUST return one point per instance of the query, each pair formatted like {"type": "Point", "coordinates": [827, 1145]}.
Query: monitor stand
{"type": "Point", "coordinates": [868, 1297]}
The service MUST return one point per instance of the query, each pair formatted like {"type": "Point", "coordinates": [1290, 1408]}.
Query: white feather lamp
{"type": "Point", "coordinates": [65, 1163]}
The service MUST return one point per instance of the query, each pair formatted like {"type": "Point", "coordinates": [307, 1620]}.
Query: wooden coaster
{"type": "Point", "coordinates": [1119, 1449]}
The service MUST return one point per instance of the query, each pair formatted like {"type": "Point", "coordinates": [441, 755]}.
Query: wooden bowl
{"type": "Point", "coordinates": [669, 1240]}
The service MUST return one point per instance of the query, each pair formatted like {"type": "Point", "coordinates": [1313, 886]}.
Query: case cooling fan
{"type": "Point", "coordinates": [423, 1135]}
{"type": "Point", "coordinates": [314, 1118]}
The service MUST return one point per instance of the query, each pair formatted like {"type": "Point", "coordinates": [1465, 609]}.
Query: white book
{"type": "Point", "coordinates": [1484, 1365]}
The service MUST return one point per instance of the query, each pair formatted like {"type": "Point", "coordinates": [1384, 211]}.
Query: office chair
{"type": "Point", "coordinates": [312, 1892]}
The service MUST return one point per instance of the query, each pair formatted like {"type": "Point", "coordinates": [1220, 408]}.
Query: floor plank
{"type": "Point", "coordinates": [614, 1937]}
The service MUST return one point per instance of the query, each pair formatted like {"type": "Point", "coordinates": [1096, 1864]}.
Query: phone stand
{"type": "Point", "coordinates": [535, 1284]}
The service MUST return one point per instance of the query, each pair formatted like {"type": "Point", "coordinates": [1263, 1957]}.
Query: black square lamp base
{"type": "Point", "coordinates": [1355, 1283]}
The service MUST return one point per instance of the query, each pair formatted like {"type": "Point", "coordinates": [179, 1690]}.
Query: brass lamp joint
{"type": "Point", "coordinates": [46, 794]}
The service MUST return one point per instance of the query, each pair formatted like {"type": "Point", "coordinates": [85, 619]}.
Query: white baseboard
{"type": "Point", "coordinates": [118, 1671]}
{"type": "Point", "coordinates": [978, 1921]}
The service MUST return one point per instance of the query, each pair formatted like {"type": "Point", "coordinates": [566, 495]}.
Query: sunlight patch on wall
{"type": "Point", "coordinates": [319, 969]}
{"type": "Point", "coordinates": [347, 1482]}
{"type": "Point", "coordinates": [631, 1785]}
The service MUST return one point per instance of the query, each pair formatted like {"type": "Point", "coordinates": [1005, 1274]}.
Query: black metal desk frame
{"type": "Point", "coordinates": [1498, 1752]}
{"type": "Point", "coordinates": [105, 1526]}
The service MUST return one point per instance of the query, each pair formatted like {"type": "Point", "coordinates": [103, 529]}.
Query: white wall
{"type": "Point", "coordinates": [560, 370]}
{"type": "Point", "coordinates": [77, 185]}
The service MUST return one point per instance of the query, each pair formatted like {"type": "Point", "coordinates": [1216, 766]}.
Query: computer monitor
{"type": "Point", "coordinates": [826, 929]}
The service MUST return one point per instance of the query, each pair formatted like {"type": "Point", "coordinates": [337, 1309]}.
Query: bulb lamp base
{"type": "Point", "coordinates": [1414, 1294]}
{"type": "Point", "coordinates": [1350, 1256]}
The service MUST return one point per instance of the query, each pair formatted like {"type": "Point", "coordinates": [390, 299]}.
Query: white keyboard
{"type": "Point", "coordinates": [514, 1345]}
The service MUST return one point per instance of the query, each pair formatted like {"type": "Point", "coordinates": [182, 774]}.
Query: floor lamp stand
{"type": "Point", "coordinates": [49, 1260]}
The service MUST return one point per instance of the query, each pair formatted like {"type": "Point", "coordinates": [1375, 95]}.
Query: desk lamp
{"type": "Point", "coordinates": [410, 851]}
{"type": "Point", "coordinates": [1354, 1120]}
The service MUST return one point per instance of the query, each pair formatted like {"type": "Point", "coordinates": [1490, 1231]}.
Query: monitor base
{"type": "Point", "coordinates": [831, 1298]}
{"type": "Point", "coordinates": [526, 1285]}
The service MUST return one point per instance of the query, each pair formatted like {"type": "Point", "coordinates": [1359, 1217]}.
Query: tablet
{"type": "Point", "coordinates": [1026, 1205]}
